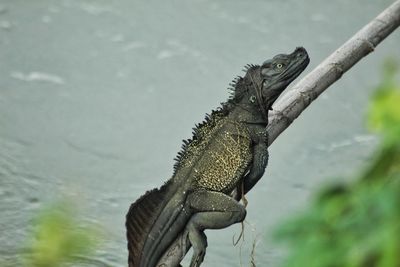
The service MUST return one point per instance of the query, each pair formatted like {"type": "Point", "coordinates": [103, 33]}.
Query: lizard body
{"type": "Point", "coordinates": [228, 151]}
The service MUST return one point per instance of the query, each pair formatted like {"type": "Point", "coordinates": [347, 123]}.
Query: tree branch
{"type": "Point", "coordinates": [292, 103]}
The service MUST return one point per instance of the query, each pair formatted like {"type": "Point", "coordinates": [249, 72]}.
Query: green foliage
{"type": "Point", "coordinates": [356, 225]}
{"type": "Point", "coordinates": [58, 238]}
{"type": "Point", "coordinates": [384, 113]}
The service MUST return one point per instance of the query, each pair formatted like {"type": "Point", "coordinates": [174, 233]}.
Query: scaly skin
{"type": "Point", "coordinates": [228, 151]}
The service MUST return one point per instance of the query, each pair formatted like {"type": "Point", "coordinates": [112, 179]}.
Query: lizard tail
{"type": "Point", "coordinates": [139, 222]}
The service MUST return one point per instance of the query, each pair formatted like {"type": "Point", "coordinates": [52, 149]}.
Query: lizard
{"type": "Point", "coordinates": [227, 153]}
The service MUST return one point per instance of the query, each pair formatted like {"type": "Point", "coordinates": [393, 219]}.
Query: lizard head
{"type": "Point", "coordinates": [262, 85]}
{"type": "Point", "coordinates": [277, 73]}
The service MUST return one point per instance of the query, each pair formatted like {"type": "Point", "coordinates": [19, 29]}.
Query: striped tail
{"type": "Point", "coordinates": [139, 221]}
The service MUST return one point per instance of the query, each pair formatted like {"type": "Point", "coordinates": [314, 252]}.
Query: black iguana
{"type": "Point", "coordinates": [228, 151]}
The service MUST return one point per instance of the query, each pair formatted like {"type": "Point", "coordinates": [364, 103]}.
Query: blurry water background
{"type": "Point", "coordinates": [96, 96]}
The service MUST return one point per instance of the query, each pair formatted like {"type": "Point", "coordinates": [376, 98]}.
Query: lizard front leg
{"type": "Point", "coordinates": [259, 163]}
{"type": "Point", "coordinates": [257, 166]}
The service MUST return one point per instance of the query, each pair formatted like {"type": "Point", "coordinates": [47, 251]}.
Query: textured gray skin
{"type": "Point", "coordinates": [197, 197]}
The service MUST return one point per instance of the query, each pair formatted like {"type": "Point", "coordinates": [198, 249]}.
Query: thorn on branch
{"type": "Point", "coordinates": [280, 115]}
{"type": "Point", "coordinates": [370, 45]}
{"type": "Point", "coordinates": [338, 69]}
{"type": "Point", "coordinates": [307, 97]}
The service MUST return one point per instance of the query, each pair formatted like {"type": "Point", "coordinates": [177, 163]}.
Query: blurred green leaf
{"type": "Point", "coordinates": [358, 224]}
{"type": "Point", "coordinates": [384, 112]}
{"type": "Point", "coordinates": [58, 237]}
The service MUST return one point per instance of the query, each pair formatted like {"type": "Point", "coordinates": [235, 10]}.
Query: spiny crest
{"type": "Point", "coordinates": [237, 89]}
{"type": "Point", "coordinates": [232, 87]}
{"type": "Point", "coordinates": [239, 86]}
{"type": "Point", "coordinates": [200, 131]}
{"type": "Point", "coordinates": [248, 66]}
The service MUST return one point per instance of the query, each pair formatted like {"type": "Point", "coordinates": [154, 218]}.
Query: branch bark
{"type": "Point", "coordinates": [292, 103]}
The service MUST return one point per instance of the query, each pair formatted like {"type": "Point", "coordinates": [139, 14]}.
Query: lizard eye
{"type": "Point", "coordinates": [279, 65]}
{"type": "Point", "coordinates": [252, 99]}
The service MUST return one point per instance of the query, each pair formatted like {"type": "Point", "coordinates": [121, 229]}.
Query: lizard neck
{"type": "Point", "coordinates": [246, 113]}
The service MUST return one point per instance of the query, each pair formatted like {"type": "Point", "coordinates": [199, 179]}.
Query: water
{"type": "Point", "coordinates": [96, 96]}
